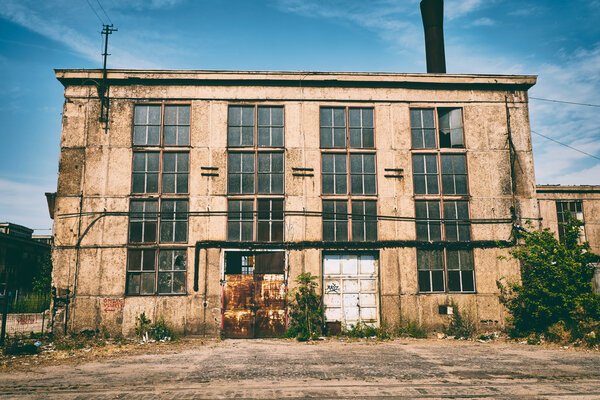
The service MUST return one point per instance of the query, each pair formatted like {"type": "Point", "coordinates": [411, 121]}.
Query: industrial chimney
{"type": "Point", "coordinates": [432, 12]}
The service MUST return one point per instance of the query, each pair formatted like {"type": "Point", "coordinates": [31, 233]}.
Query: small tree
{"type": "Point", "coordinates": [306, 310]}
{"type": "Point", "coordinates": [556, 283]}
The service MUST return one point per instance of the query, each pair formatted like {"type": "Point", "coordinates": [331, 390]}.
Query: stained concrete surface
{"type": "Point", "coordinates": [331, 369]}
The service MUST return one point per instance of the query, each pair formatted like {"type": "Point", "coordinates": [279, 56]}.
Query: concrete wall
{"type": "Point", "coordinates": [95, 176]}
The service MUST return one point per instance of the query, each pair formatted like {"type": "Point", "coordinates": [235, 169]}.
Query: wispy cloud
{"type": "Point", "coordinates": [459, 8]}
{"type": "Point", "coordinates": [24, 204]}
{"type": "Point", "coordinates": [484, 22]}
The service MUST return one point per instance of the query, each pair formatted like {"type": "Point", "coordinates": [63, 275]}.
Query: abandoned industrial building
{"type": "Point", "coordinates": [205, 194]}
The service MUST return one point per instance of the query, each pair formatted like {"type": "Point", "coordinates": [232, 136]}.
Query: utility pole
{"type": "Point", "coordinates": [103, 87]}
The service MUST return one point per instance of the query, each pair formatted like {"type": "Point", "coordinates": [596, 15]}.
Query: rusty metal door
{"type": "Point", "coordinates": [254, 295]}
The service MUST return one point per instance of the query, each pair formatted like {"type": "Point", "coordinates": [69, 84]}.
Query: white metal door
{"type": "Point", "coordinates": [350, 287]}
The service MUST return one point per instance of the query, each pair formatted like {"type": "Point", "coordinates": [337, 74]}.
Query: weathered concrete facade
{"type": "Point", "coordinates": [94, 198]}
{"type": "Point", "coordinates": [583, 202]}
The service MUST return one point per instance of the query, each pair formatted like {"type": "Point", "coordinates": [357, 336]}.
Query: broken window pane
{"type": "Point", "coordinates": [451, 127]}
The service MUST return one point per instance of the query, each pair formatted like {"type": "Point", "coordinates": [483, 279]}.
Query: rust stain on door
{"type": "Point", "coordinates": [254, 301]}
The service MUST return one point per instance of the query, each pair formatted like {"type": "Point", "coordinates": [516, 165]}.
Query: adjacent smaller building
{"type": "Point", "coordinates": [583, 202]}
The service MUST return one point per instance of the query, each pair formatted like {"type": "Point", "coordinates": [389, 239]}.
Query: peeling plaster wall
{"type": "Point", "coordinates": [95, 176]}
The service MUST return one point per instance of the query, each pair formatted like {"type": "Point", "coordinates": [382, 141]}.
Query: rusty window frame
{"type": "Point", "coordinates": [269, 220]}
{"type": "Point", "coordinates": [178, 175]}
{"type": "Point", "coordinates": [575, 208]}
{"type": "Point", "coordinates": [364, 220]}
{"type": "Point", "coordinates": [360, 176]}
{"type": "Point", "coordinates": [145, 220]}
{"type": "Point", "coordinates": [335, 221]}
{"type": "Point", "coordinates": [338, 176]}
{"type": "Point", "coordinates": [425, 174]}
{"type": "Point", "coordinates": [430, 131]}
{"type": "Point", "coordinates": [144, 172]}
{"type": "Point", "coordinates": [174, 223]}
{"type": "Point", "coordinates": [240, 216]}
{"type": "Point", "coordinates": [172, 264]}
{"type": "Point", "coordinates": [181, 125]}
{"type": "Point", "coordinates": [453, 173]}
{"type": "Point", "coordinates": [272, 175]}
{"type": "Point", "coordinates": [145, 274]}
{"type": "Point", "coordinates": [457, 226]}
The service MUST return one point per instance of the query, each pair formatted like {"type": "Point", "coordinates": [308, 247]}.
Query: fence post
{"type": "Point", "coordinates": [5, 307]}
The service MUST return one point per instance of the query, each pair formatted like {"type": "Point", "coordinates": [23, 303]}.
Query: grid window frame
{"type": "Point", "coordinates": [575, 208]}
{"type": "Point", "coordinates": [183, 121]}
{"type": "Point", "coordinates": [363, 219]}
{"type": "Point", "coordinates": [337, 130]}
{"type": "Point", "coordinates": [144, 221]}
{"type": "Point", "coordinates": [240, 220]}
{"type": "Point", "coordinates": [144, 280]}
{"type": "Point", "coordinates": [335, 220]}
{"type": "Point", "coordinates": [445, 271]}
{"type": "Point", "coordinates": [179, 174]}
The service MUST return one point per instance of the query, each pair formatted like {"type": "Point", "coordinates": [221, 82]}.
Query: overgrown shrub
{"type": "Point", "coordinates": [461, 324]}
{"type": "Point", "coordinates": [361, 330]}
{"type": "Point", "coordinates": [306, 309]}
{"type": "Point", "coordinates": [410, 328]}
{"type": "Point", "coordinates": [556, 285]}
{"type": "Point", "coordinates": [557, 333]}
{"type": "Point", "coordinates": [159, 330]}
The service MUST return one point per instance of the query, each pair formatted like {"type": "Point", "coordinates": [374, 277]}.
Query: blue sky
{"type": "Point", "coordinates": [557, 40]}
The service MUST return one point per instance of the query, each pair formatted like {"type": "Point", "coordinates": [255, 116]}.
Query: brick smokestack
{"type": "Point", "coordinates": [432, 12]}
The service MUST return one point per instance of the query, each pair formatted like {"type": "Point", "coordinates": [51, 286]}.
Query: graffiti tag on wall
{"type": "Point", "coordinates": [111, 305]}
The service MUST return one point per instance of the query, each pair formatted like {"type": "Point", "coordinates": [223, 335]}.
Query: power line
{"type": "Point", "coordinates": [566, 145]}
{"type": "Point", "coordinates": [90, 4]}
{"type": "Point", "coordinates": [102, 8]}
{"type": "Point", "coordinates": [566, 102]}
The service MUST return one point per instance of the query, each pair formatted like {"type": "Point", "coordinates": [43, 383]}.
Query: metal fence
{"type": "Point", "coordinates": [25, 312]}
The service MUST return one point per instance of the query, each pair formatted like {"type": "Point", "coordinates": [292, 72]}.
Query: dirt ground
{"type": "Point", "coordinates": [337, 369]}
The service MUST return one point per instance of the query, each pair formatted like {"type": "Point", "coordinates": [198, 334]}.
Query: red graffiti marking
{"type": "Point", "coordinates": [111, 305]}
{"type": "Point", "coordinates": [26, 320]}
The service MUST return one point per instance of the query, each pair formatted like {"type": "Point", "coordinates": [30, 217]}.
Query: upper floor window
{"type": "Point", "coordinates": [244, 131]}
{"type": "Point", "coordinates": [575, 208]}
{"type": "Point", "coordinates": [447, 133]}
{"type": "Point", "coordinates": [337, 133]}
{"type": "Point", "coordinates": [151, 129]}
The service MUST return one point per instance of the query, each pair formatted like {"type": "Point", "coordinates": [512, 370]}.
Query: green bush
{"type": "Point", "coordinates": [410, 328]}
{"type": "Point", "coordinates": [461, 324]}
{"type": "Point", "coordinates": [159, 330]}
{"type": "Point", "coordinates": [556, 285]}
{"type": "Point", "coordinates": [306, 309]}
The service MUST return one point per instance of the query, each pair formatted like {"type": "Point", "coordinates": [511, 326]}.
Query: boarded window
{"type": "Point", "coordinates": [175, 172]}
{"type": "Point", "coordinates": [334, 174]}
{"type": "Point", "coordinates": [425, 174]}
{"type": "Point", "coordinates": [146, 167]}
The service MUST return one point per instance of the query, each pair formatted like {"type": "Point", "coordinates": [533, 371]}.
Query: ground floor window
{"type": "Point", "coordinates": [156, 271]}
{"type": "Point", "coordinates": [445, 270]}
